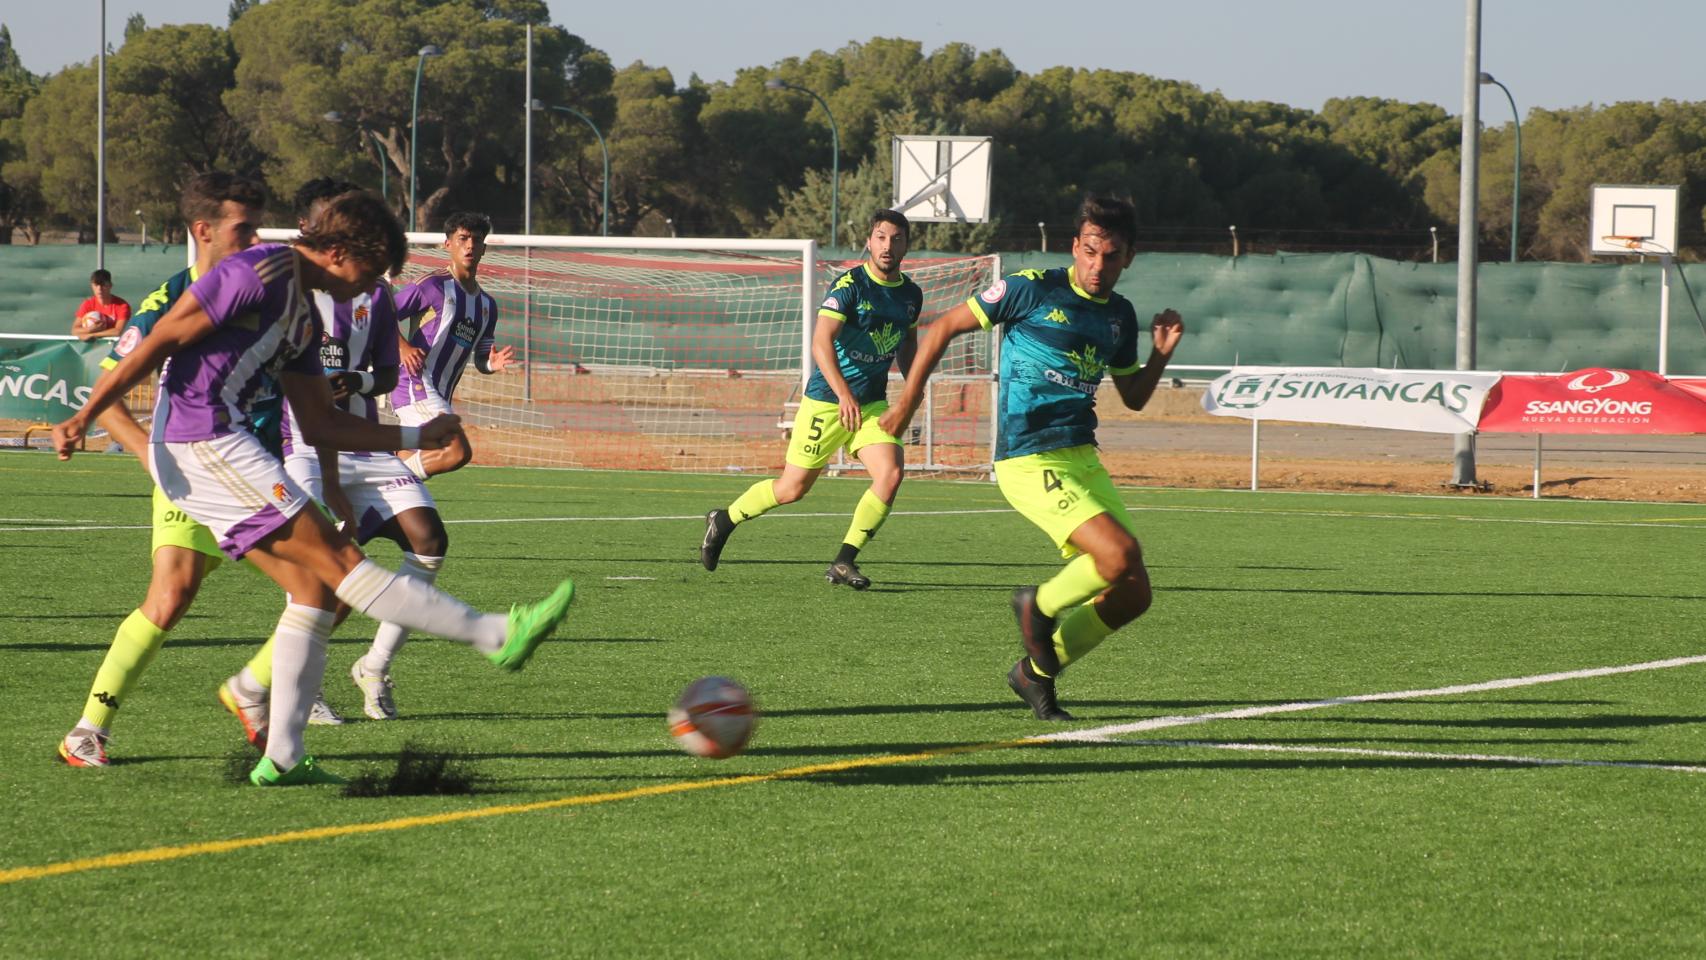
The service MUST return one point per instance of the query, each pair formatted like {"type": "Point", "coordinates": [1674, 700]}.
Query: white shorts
{"type": "Point", "coordinates": [379, 486]}
{"type": "Point", "coordinates": [419, 412]}
{"type": "Point", "coordinates": [229, 484]}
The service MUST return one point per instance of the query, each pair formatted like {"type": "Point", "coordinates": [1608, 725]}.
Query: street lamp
{"type": "Point", "coordinates": [430, 50]}
{"type": "Point", "coordinates": [835, 158]}
{"type": "Point", "coordinates": [604, 222]}
{"type": "Point", "coordinates": [1516, 179]}
{"type": "Point", "coordinates": [333, 116]}
{"type": "Point", "coordinates": [144, 222]}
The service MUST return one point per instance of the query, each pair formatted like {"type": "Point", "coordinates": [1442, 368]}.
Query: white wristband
{"type": "Point", "coordinates": [411, 438]}
{"type": "Point", "coordinates": [364, 382]}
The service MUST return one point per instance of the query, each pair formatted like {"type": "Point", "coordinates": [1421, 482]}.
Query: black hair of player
{"type": "Point", "coordinates": [363, 227]}
{"type": "Point", "coordinates": [206, 194]}
{"type": "Point", "coordinates": [101, 276]}
{"type": "Point", "coordinates": [316, 190]}
{"type": "Point", "coordinates": [477, 224]}
{"type": "Point", "coordinates": [893, 217]}
{"type": "Point", "coordinates": [1114, 216]}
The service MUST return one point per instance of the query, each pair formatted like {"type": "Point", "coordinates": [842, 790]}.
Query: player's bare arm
{"type": "Point", "coordinates": [121, 425]}
{"type": "Point", "coordinates": [823, 354]}
{"type": "Point", "coordinates": [332, 488]}
{"type": "Point", "coordinates": [1165, 330]}
{"type": "Point", "coordinates": [499, 360]}
{"type": "Point", "coordinates": [929, 352]}
{"type": "Point", "coordinates": [378, 382]}
{"type": "Point", "coordinates": [325, 425]}
{"type": "Point", "coordinates": [185, 324]}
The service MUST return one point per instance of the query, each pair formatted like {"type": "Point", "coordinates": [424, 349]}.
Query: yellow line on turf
{"type": "Point", "coordinates": [161, 854]}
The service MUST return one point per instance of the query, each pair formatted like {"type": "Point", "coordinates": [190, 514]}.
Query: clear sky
{"type": "Point", "coordinates": [1550, 53]}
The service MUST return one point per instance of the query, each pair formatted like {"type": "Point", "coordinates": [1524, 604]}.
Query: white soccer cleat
{"type": "Point", "coordinates": [375, 693]}
{"type": "Point", "coordinates": [321, 713]}
{"type": "Point", "coordinates": [83, 748]}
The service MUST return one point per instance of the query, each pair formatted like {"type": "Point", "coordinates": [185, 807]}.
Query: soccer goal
{"type": "Point", "coordinates": [685, 354]}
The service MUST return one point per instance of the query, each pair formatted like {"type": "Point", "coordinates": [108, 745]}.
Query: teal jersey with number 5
{"type": "Point", "coordinates": [1057, 342]}
{"type": "Point", "coordinates": [876, 316]}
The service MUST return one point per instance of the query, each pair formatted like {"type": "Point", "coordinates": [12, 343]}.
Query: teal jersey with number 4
{"type": "Point", "coordinates": [876, 316]}
{"type": "Point", "coordinates": [1057, 341]}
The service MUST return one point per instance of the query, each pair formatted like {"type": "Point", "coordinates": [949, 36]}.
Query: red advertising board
{"type": "Point", "coordinates": [1595, 400]}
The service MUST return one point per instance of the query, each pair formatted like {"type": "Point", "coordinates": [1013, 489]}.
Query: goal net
{"type": "Point", "coordinates": [690, 355]}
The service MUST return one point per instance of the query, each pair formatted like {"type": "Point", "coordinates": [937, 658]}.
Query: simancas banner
{"type": "Point", "coordinates": [1595, 400]}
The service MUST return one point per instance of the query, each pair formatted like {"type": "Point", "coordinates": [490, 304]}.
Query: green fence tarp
{"type": "Point", "coordinates": [47, 383]}
{"type": "Point", "coordinates": [1342, 309]}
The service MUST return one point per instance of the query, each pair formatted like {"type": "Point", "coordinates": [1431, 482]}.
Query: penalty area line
{"type": "Point", "coordinates": [1490, 759]}
{"type": "Point", "coordinates": [1102, 734]}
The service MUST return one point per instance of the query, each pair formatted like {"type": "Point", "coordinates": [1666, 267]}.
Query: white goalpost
{"type": "Point", "coordinates": [684, 354]}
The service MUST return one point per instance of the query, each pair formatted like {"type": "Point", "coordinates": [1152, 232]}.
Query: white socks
{"type": "Point", "coordinates": [299, 664]}
{"type": "Point", "coordinates": [416, 605]}
{"type": "Point", "coordinates": [389, 638]}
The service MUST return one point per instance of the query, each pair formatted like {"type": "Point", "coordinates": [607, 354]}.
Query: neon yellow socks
{"type": "Point", "coordinates": [1077, 582]}
{"type": "Point", "coordinates": [868, 518]}
{"type": "Point", "coordinates": [758, 500]}
{"type": "Point", "coordinates": [260, 665]}
{"type": "Point", "coordinates": [133, 648]}
{"type": "Point", "coordinates": [1081, 632]}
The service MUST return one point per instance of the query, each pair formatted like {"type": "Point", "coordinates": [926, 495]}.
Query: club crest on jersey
{"type": "Point", "coordinates": [127, 341]}
{"type": "Point", "coordinates": [358, 316]}
{"type": "Point", "coordinates": [996, 291]}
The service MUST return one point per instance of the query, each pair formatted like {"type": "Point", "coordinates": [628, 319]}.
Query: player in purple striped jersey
{"type": "Point", "coordinates": [251, 318]}
{"type": "Point", "coordinates": [457, 322]}
{"type": "Point", "coordinates": [379, 496]}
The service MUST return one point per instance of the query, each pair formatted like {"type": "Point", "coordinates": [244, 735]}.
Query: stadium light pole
{"type": "Point", "coordinates": [604, 221]}
{"type": "Point", "coordinates": [430, 50]}
{"type": "Point", "coordinates": [101, 151]}
{"type": "Point", "coordinates": [1516, 177]}
{"type": "Point", "coordinates": [333, 116]}
{"type": "Point", "coordinates": [835, 157]}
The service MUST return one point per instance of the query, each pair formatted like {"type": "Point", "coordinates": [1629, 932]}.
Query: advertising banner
{"type": "Point", "coordinates": [47, 383]}
{"type": "Point", "coordinates": [1427, 401]}
{"type": "Point", "coordinates": [1596, 400]}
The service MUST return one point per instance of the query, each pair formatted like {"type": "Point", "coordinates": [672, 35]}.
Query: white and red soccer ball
{"type": "Point", "coordinates": [714, 717]}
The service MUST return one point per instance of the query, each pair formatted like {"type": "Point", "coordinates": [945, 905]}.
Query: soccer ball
{"type": "Point", "coordinates": [713, 718]}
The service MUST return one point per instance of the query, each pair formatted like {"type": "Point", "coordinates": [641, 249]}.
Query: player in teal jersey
{"type": "Point", "coordinates": [1062, 329]}
{"type": "Point", "coordinates": [869, 319]}
{"type": "Point", "coordinates": [222, 211]}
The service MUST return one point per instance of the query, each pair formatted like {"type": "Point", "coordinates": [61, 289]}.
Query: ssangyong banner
{"type": "Point", "coordinates": [1427, 401]}
{"type": "Point", "coordinates": [48, 383]}
{"type": "Point", "coordinates": [1596, 400]}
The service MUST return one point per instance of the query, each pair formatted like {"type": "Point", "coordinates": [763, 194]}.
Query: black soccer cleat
{"type": "Point", "coordinates": [718, 526]}
{"type": "Point", "coordinates": [847, 572]}
{"type": "Point", "coordinates": [1036, 691]}
{"type": "Point", "coordinates": [1036, 631]}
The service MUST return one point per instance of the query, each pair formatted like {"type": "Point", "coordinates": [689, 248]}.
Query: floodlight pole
{"type": "Point", "coordinates": [430, 50]}
{"type": "Point", "coordinates": [101, 150]}
{"type": "Point", "coordinates": [834, 158]}
{"type": "Point", "coordinates": [1463, 444]}
{"type": "Point", "coordinates": [1516, 176]}
{"type": "Point", "coordinates": [604, 228]}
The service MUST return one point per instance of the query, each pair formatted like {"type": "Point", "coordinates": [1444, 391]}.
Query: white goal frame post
{"type": "Point", "coordinates": [604, 404]}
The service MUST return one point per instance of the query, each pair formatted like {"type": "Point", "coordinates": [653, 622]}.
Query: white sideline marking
{"type": "Point", "coordinates": [1490, 758]}
{"type": "Point", "coordinates": [1134, 508]}
{"type": "Point", "coordinates": [1114, 731]}
{"type": "Point", "coordinates": [630, 578]}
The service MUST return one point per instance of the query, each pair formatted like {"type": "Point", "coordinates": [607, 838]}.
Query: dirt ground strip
{"type": "Point", "coordinates": [1174, 443]}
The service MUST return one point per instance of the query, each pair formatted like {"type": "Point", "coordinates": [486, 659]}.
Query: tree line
{"type": "Point", "coordinates": [295, 89]}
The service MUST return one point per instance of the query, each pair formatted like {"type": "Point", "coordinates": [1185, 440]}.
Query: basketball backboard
{"type": "Point", "coordinates": [942, 179]}
{"type": "Point", "coordinates": [1631, 221]}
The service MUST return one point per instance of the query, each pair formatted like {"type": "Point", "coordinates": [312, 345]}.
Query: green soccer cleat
{"type": "Point", "coordinates": [306, 773]}
{"type": "Point", "coordinates": [530, 624]}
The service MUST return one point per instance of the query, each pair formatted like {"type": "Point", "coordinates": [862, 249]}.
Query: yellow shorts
{"type": "Point", "coordinates": [174, 528]}
{"type": "Point", "coordinates": [1060, 489]}
{"type": "Point", "coordinates": [818, 432]}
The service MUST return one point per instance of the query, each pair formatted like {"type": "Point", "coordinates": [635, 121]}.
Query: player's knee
{"type": "Point", "coordinates": [431, 542]}
{"type": "Point", "coordinates": [167, 603]}
{"type": "Point", "coordinates": [886, 484]}
{"type": "Point", "coordinates": [1123, 564]}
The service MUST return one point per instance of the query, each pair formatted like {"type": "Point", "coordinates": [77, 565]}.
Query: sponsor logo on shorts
{"type": "Point", "coordinates": [996, 291]}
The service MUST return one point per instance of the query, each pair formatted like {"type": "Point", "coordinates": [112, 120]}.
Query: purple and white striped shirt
{"type": "Point", "coordinates": [456, 326]}
{"type": "Point", "coordinates": [360, 335]}
{"type": "Point", "coordinates": [263, 324]}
